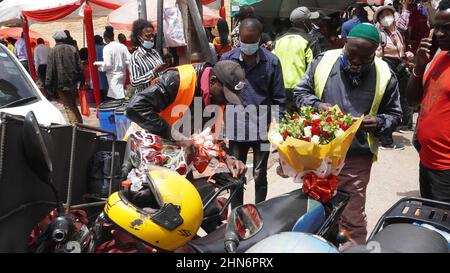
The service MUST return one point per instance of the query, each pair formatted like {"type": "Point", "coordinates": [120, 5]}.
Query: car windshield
{"type": "Point", "coordinates": [14, 85]}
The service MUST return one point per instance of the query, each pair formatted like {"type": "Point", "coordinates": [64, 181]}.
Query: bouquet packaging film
{"type": "Point", "coordinates": [312, 146]}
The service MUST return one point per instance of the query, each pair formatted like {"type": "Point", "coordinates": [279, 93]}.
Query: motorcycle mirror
{"type": "Point", "coordinates": [244, 222]}
{"type": "Point", "coordinates": [35, 149]}
{"type": "Point", "coordinates": [248, 221]}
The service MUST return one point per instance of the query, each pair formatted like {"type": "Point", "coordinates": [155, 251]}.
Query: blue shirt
{"type": "Point", "coordinates": [348, 26]}
{"type": "Point", "coordinates": [263, 86]}
{"type": "Point", "coordinates": [101, 75]}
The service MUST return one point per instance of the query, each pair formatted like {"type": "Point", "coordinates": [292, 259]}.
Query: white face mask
{"type": "Point", "coordinates": [387, 21]}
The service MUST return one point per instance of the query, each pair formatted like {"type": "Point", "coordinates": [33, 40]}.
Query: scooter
{"type": "Point", "coordinates": [412, 225]}
{"type": "Point", "coordinates": [279, 214]}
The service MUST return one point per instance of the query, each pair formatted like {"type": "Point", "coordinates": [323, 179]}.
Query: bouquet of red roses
{"type": "Point", "coordinates": [208, 149]}
{"type": "Point", "coordinates": [312, 146]}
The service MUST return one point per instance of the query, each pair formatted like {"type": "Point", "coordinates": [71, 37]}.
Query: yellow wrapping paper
{"type": "Point", "coordinates": [301, 155]}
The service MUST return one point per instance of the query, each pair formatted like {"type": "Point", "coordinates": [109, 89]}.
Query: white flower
{"type": "Point", "coordinates": [208, 144]}
{"type": "Point", "coordinates": [277, 138]}
{"type": "Point", "coordinates": [315, 116]}
{"type": "Point", "coordinates": [212, 153]}
{"type": "Point", "coordinates": [307, 131]}
{"type": "Point", "coordinates": [339, 132]}
{"type": "Point", "coordinates": [315, 139]}
{"type": "Point", "coordinates": [209, 138]}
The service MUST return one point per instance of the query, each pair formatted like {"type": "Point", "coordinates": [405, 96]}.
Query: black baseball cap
{"type": "Point", "coordinates": [232, 76]}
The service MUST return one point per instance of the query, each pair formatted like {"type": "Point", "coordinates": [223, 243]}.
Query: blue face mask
{"type": "Point", "coordinates": [249, 49]}
{"type": "Point", "coordinates": [148, 44]}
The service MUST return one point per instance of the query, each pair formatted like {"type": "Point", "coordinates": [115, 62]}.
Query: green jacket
{"type": "Point", "coordinates": [295, 51]}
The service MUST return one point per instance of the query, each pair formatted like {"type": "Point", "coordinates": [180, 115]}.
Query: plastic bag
{"type": "Point", "coordinates": [84, 105]}
{"type": "Point", "coordinates": [173, 27]}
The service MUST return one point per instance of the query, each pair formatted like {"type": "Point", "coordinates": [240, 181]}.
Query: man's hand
{"type": "Point", "coordinates": [236, 167]}
{"type": "Point", "coordinates": [369, 124]}
{"type": "Point", "coordinates": [324, 106]}
{"type": "Point", "coordinates": [423, 56]}
{"type": "Point", "coordinates": [190, 149]}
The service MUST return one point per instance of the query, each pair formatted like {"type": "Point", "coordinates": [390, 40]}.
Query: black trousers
{"type": "Point", "coordinates": [407, 115]}
{"type": "Point", "coordinates": [260, 160]}
{"type": "Point", "coordinates": [434, 184]}
{"type": "Point", "coordinates": [42, 70]}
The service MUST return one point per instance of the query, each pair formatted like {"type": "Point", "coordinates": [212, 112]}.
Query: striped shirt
{"type": "Point", "coordinates": [402, 20]}
{"type": "Point", "coordinates": [141, 67]}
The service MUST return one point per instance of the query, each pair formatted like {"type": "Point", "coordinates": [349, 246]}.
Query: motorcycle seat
{"type": "Point", "coordinates": [409, 238]}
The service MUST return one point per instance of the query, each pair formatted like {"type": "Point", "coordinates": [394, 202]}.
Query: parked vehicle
{"type": "Point", "coordinates": [19, 94]}
{"type": "Point", "coordinates": [412, 225]}
{"type": "Point", "coordinates": [278, 214]}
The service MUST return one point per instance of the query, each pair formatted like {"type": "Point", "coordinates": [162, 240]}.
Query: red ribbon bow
{"type": "Point", "coordinates": [320, 189]}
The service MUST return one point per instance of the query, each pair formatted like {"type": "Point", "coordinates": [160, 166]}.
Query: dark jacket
{"type": "Point", "coordinates": [144, 107]}
{"type": "Point", "coordinates": [264, 86]}
{"type": "Point", "coordinates": [353, 100]}
{"type": "Point", "coordinates": [64, 68]}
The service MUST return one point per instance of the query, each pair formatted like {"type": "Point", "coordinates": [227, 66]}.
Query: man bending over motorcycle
{"type": "Point", "coordinates": [156, 109]}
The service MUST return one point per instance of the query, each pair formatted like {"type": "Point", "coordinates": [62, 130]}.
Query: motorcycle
{"type": "Point", "coordinates": [60, 231]}
{"type": "Point", "coordinates": [279, 214]}
{"type": "Point", "coordinates": [111, 234]}
{"type": "Point", "coordinates": [412, 225]}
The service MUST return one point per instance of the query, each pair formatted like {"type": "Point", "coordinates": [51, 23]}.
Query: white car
{"type": "Point", "coordinates": [19, 94]}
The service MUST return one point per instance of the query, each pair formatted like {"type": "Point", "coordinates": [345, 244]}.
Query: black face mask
{"type": "Point", "coordinates": [354, 73]}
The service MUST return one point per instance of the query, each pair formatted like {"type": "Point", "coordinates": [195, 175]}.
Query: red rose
{"type": "Point", "coordinates": [345, 127]}
{"type": "Point", "coordinates": [181, 169]}
{"type": "Point", "coordinates": [307, 123]}
{"type": "Point", "coordinates": [308, 139]}
{"type": "Point", "coordinates": [156, 146]}
{"type": "Point", "coordinates": [325, 134]}
{"type": "Point", "coordinates": [329, 119]}
{"type": "Point", "coordinates": [295, 117]}
{"type": "Point", "coordinates": [317, 121]}
{"type": "Point", "coordinates": [160, 159]}
{"type": "Point", "coordinates": [285, 134]}
{"type": "Point", "coordinates": [315, 130]}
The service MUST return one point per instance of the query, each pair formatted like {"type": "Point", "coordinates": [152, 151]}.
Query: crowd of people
{"type": "Point", "coordinates": [385, 67]}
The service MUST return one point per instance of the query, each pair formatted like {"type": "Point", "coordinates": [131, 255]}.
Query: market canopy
{"type": "Point", "coordinates": [49, 10]}
{"type": "Point", "coordinates": [283, 8]}
{"type": "Point", "coordinates": [123, 17]}
{"type": "Point", "coordinates": [16, 32]}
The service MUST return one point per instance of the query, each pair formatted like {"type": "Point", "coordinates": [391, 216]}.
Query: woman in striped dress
{"type": "Point", "coordinates": [146, 63]}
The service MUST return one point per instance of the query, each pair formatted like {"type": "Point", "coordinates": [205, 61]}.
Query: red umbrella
{"type": "Point", "coordinates": [16, 32]}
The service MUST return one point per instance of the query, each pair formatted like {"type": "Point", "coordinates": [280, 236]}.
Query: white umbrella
{"type": "Point", "coordinates": [123, 17]}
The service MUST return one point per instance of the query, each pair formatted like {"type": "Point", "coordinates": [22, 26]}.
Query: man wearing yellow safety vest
{"type": "Point", "coordinates": [296, 50]}
{"type": "Point", "coordinates": [360, 84]}
{"type": "Point", "coordinates": [157, 108]}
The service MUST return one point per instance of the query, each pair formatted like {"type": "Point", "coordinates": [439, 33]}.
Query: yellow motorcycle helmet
{"type": "Point", "coordinates": [173, 224]}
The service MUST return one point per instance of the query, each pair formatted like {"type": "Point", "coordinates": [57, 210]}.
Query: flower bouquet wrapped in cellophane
{"type": "Point", "coordinates": [312, 146]}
